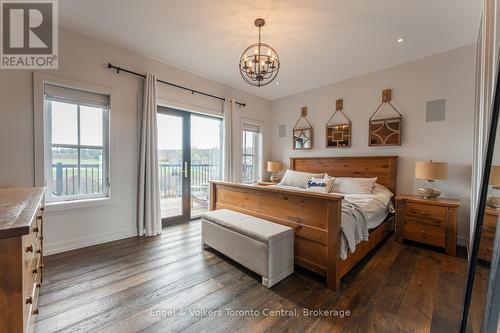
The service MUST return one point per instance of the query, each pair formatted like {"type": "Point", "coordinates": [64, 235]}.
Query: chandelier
{"type": "Point", "coordinates": [259, 63]}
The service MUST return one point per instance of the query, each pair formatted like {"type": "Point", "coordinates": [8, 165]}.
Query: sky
{"type": "Point", "coordinates": [65, 123]}
{"type": "Point", "coordinates": [204, 132]}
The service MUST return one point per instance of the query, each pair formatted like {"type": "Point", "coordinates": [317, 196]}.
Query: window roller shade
{"type": "Point", "coordinates": [63, 94]}
{"type": "Point", "coordinates": [251, 128]}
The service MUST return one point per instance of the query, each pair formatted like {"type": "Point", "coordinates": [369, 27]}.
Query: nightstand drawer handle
{"type": "Point", "coordinates": [29, 248]}
{"type": "Point", "coordinates": [34, 271]}
{"type": "Point", "coordinates": [29, 300]}
{"type": "Point", "coordinates": [35, 229]}
{"type": "Point", "coordinates": [35, 312]}
{"type": "Point", "coordinates": [416, 212]}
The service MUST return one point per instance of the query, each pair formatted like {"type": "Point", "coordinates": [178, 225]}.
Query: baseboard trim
{"type": "Point", "coordinates": [462, 247]}
{"type": "Point", "coordinates": [125, 233]}
{"type": "Point", "coordinates": [88, 241]}
{"type": "Point", "coordinates": [463, 241]}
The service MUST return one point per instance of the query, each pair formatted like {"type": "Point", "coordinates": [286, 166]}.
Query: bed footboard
{"type": "Point", "coordinates": [315, 218]}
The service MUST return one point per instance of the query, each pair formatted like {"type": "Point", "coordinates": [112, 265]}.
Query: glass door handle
{"type": "Point", "coordinates": [185, 171]}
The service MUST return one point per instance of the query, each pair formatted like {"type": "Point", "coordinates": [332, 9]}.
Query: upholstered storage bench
{"type": "Point", "coordinates": [262, 246]}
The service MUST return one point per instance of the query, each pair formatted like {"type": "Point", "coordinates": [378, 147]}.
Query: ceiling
{"type": "Point", "coordinates": [318, 41]}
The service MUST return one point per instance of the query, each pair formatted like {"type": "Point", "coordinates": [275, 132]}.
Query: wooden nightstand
{"type": "Point", "coordinates": [429, 221]}
{"type": "Point", "coordinates": [488, 234]}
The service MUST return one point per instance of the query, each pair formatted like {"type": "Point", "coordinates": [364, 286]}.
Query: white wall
{"type": "Point", "coordinates": [449, 75]}
{"type": "Point", "coordinates": [84, 59]}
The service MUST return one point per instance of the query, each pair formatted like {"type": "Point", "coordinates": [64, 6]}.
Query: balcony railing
{"type": "Point", "coordinates": [171, 178]}
{"type": "Point", "coordinates": [247, 175]}
{"type": "Point", "coordinates": [65, 178]}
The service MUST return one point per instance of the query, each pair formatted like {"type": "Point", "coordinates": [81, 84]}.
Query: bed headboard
{"type": "Point", "coordinates": [383, 167]}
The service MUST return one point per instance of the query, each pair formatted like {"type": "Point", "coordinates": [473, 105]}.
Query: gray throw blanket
{"type": "Point", "coordinates": [354, 228]}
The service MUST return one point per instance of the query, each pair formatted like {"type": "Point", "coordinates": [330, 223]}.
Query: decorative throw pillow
{"type": "Point", "coordinates": [354, 185]}
{"type": "Point", "coordinates": [298, 178]}
{"type": "Point", "coordinates": [323, 185]}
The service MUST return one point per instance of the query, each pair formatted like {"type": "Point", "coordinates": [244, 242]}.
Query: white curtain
{"type": "Point", "coordinates": [486, 56]}
{"type": "Point", "coordinates": [149, 214]}
{"type": "Point", "coordinates": [228, 109]}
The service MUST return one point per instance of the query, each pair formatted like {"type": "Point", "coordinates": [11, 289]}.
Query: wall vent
{"type": "Point", "coordinates": [282, 131]}
{"type": "Point", "coordinates": [435, 110]}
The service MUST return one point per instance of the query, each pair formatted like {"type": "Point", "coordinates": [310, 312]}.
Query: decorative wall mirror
{"type": "Point", "coordinates": [302, 133]}
{"type": "Point", "coordinates": [385, 131]}
{"type": "Point", "coordinates": [339, 128]}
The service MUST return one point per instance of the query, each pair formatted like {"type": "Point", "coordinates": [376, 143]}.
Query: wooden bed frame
{"type": "Point", "coordinates": [315, 217]}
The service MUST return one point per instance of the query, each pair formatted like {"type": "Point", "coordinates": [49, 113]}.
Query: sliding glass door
{"type": "Point", "coordinates": [189, 156]}
{"type": "Point", "coordinates": [206, 159]}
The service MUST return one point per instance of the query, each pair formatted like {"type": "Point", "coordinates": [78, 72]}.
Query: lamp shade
{"type": "Point", "coordinates": [495, 175]}
{"type": "Point", "coordinates": [274, 166]}
{"type": "Point", "coordinates": [431, 170]}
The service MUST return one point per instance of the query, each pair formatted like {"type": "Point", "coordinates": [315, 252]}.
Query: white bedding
{"type": "Point", "coordinates": [360, 212]}
{"type": "Point", "coordinates": [376, 206]}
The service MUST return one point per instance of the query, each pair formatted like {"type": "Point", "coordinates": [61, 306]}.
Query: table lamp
{"type": "Point", "coordinates": [493, 201]}
{"type": "Point", "coordinates": [430, 171]}
{"type": "Point", "coordinates": [274, 167]}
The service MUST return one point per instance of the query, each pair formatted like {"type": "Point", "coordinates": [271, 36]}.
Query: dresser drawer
{"type": "Point", "coordinates": [424, 232]}
{"type": "Point", "coordinates": [487, 237]}
{"type": "Point", "coordinates": [485, 249]}
{"type": "Point", "coordinates": [31, 287]}
{"type": "Point", "coordinates": [490, 223]}
{"type": "Point", "coordinates": [425, 212]}
{"type": "Point", "coordinates": [37, 228]}
{"type": "Point", "coordinates": [31, 310]}
{"type": "Point", "coordinates": [32, 275]}
{"type": "Point", "coordinates": [31, 244]}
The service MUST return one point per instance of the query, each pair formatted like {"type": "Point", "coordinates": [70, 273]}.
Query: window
{"type": "Point", "coordinates": [76, 144]}
{"type": "Point", "coordinates": [251, 151]}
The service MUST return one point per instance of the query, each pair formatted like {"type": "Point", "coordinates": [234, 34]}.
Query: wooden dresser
{"type": "Point", "coordinates": [488, 234]}
{"type": "Point", "coordinates": [428, 221]}
{"type": "Point", "coordinates": [21, 251]}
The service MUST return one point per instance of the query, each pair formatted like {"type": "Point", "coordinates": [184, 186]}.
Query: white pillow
{"type": "Point", "coordinates": [298, 178]}
{"type": "Point", "coordinates": [354, 185]}
{"type": "Point", "coordinates": [322, 185]}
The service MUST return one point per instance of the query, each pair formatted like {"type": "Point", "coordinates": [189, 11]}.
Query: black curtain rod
{"type": "Point", "coordinates": [118, 69]}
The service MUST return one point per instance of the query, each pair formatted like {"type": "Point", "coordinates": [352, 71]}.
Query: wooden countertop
{"type": "Point", "coordinates": [437, 201]}
{"type": "Point", "coordinates": [17, 208]}
{"type": "Point", "coordinates": [492, 211]}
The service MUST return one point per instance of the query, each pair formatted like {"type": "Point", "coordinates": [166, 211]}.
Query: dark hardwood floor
{"type": "Point", "coordinates": [153, 284]}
